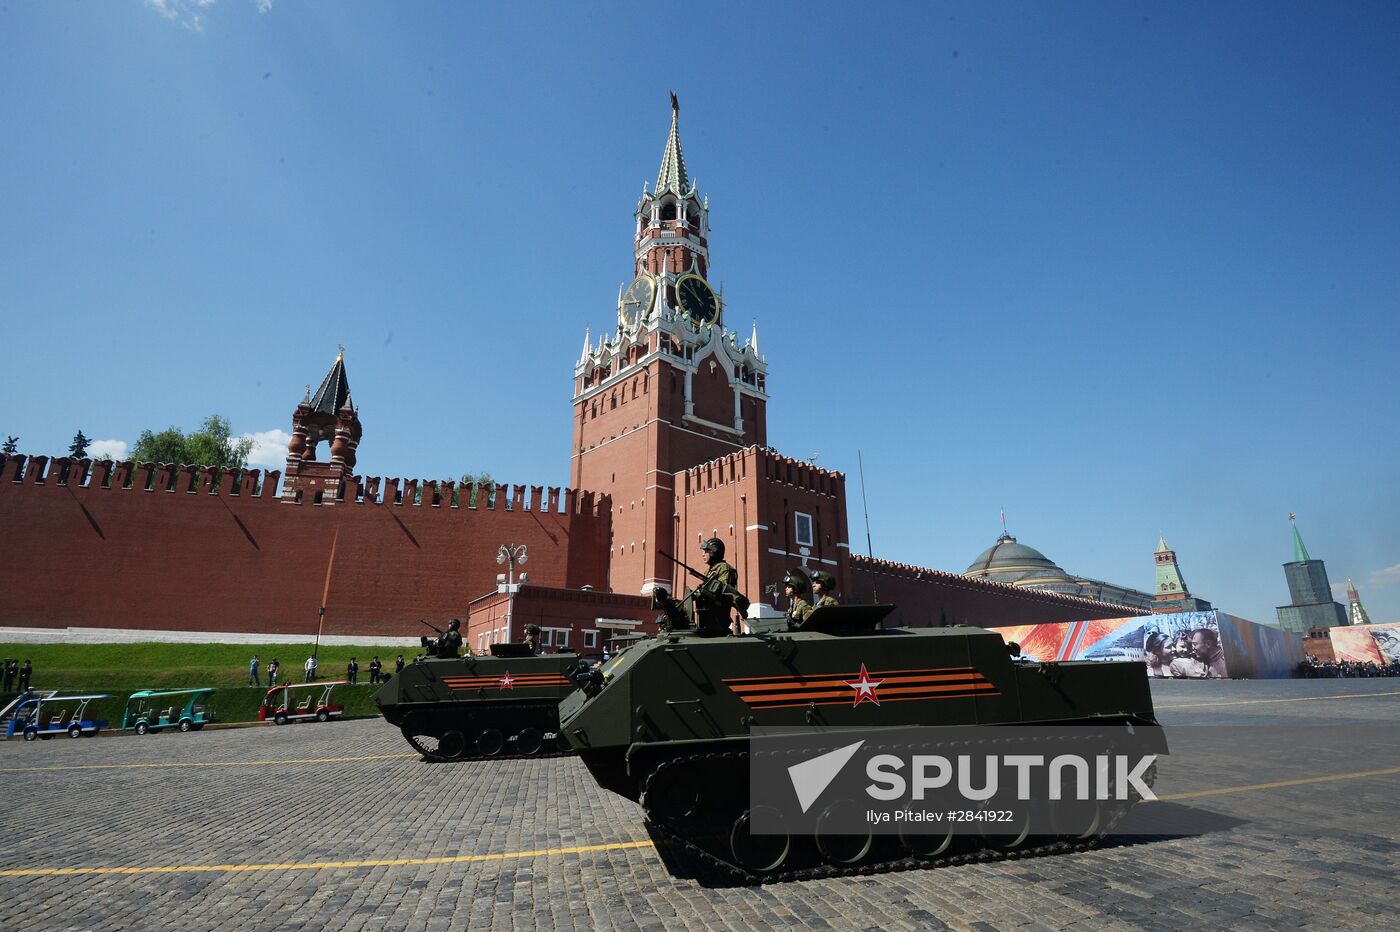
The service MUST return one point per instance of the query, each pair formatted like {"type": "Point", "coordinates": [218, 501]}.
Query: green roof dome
{"type": "Point", "coordinates": [1006, 561]}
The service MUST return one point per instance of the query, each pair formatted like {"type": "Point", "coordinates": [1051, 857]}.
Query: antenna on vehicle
{"type": "Point", "coordinates": [865, 506]}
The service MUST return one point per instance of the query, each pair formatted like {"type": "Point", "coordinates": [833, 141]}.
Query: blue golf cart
{"type": "Point", "coordinates": [47, 716]}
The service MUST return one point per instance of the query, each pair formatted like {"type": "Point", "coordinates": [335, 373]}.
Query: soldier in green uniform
{"type": "Point", "coordinates": [450, 641]}
{"type": "Point", "coordinates": [532, 638]}
{"type": "Point", "coordinates": [823, 584]}
{"type": "Point", "coordinates": [719, 589]}
{"type": "Point", "coordinates": [798, 588]}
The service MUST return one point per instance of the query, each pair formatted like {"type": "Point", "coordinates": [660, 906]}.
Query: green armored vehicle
{"type": "Point", "coordinates": [667, 724]}
{"type": "Point", "coordinates": [459, 708]}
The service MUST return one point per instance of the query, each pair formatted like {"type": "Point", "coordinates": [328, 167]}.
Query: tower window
{"type": "Point", "coordinates": [803, 529]}
{"type": "Point", "coordinates": [668, 211]}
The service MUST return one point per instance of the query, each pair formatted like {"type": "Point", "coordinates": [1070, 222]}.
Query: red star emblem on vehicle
{"type": "Point", "coordinates": [507, 682]}
{"type": "Point", "coordinates": [865, 688]}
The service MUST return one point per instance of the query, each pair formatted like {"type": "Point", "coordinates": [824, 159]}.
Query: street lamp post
{"type": "Point", "coordinates": [515, 555]}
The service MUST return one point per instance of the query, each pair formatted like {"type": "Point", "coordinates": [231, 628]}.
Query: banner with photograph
{"type": "Point", "coordinates": [1378, 644]}
{"type": "Point", "coordinates": [1181, 645]}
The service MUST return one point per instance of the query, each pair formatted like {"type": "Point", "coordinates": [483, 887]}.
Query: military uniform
{"type": "Point", "coordinates": [828, 583]}
{"type": "Point", "coordinates": [800, 607]}
{"type": "Point", "coordinates": [724, 573]}
{"type": "Point", "coordinates": [450, 641]}
{"type": "Point", "coordinates": [717, 595]}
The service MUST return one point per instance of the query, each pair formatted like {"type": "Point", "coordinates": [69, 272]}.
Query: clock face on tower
{"type": "Point", "coordinates": [636, 303]}
{"type": "Point", "coordinates": [697, 299]}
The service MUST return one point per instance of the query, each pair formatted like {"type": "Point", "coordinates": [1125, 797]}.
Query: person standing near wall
{"type": "Point", "coordinates": [272, 669]}
{"type": "Point", "coordinates": [310, 668]}
{"type": "Point", "coordinates": [25, 672]}
{"type": "Point", "coordinates": [253, 678]}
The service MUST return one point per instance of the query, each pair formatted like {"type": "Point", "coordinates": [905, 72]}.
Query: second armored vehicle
{"type": "Point", "coordinates": [458, 708]}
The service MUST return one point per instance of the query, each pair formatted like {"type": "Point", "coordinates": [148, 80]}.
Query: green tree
{"type": "Point", "coordinates": [11, 446]}
{"type": "Point", "coordinates": [212, 445]}
{"type": "Point", "coordinates": [483, 481]}
{"type": "Point", "coordinates": [78, 448]}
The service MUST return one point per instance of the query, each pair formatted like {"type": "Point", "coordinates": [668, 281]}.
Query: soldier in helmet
{"type": "Point", "coordinates": [450, 641]}
{"type": "Point", "coordinates": [722, 580]}
{"type": "Point", "coordinates": [532, 638]}
{"type": "Point", "coordinates": [823, 584]}
{"type": "Point", "coordinates": [798, 588]}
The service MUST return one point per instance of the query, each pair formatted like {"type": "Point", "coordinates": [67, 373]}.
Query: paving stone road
{"type": "Point", "coordinates": [250, 829]}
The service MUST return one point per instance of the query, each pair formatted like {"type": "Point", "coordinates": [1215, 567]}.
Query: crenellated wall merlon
{"type": "Point", "coordinates": [181, 481]}
{"type": "Point", "coordinates": [765, 462]}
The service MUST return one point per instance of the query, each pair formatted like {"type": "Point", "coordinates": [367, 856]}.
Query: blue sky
{"type": "Point", "coordinates": [1124, 269]}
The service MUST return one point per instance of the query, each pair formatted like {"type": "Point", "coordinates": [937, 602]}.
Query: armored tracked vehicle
{"type": "Point", "coordinates": [459, 708]}
{"type": "Point", "coordinates": [667, 724]}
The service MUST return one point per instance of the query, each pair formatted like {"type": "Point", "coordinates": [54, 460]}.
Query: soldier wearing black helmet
{"type": "Point", "coordinates": [798, 588]}
{"type": "Point", "coordinates": [823, 584]}
{"type": "Point", "coordinates": [722, 580]}
{"type": "Point", "coordinates": [450, 641]}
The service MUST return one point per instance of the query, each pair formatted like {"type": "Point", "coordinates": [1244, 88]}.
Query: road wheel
{"type": "Point", "coordinates": [323, 716]}
{"type": "Point", "coordinates": [490, 742]}
{"type": "Point", "coordinates": [186, 724]}
{"type": "Point", "coordinates": [142, 728]}
{"type": "Point", "coordinates": [31, 733]}
{"type": "Point", "coordinates": [75, 731]}
{"type": "Point", "coordinates": [672, 793]}
{"type": "Point", "coordinates": [452, 744]}
{"type": "Point", "coordinates": [925, 843]}
{"type": "Point", "coordinates": [1009, 835]}
{"type": "Point", "coordinates": [529, 741]}
{"type": "Point", "coordinates": [761, 854]}
{"type": "Point", "coordinates": [564, 746]}
{"type": "Point", "coordinates": [280, 718]}
{"type": "Point", "coordinates": [842, 848]}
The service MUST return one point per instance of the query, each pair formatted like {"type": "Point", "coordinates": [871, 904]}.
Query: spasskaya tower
{"type": "Point", "coordinates": [669, 388]}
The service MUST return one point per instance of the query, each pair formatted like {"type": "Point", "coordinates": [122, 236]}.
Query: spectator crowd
{"type": "Point", "coordinates": [1313, 668]}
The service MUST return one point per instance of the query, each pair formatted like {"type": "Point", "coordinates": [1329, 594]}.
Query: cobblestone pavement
{"type": "Point", "coordinates": [251, 829]}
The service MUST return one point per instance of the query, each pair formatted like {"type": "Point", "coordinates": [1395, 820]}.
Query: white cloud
{"type": "Point", "coordinates": [189, 13]}
{"type": "Point", "coordinates": [269, 448]}
{"type": "Point", "coordinates": [1390, 576]}
{"type": "Point", "coordinates": [1339, 588]}
{"type": "Point", "coordinates": [108, 450]}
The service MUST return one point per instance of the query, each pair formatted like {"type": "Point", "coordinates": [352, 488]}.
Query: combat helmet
{"type": "Point", "coordinates": [798, 581]}
{"type": "Point", "coordinates": [714, 545]}
{"type": "Point", "coordinates": [825, 579]}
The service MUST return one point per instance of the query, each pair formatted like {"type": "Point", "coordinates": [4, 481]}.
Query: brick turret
{"type": "Point", "coordinates": [329, 416]}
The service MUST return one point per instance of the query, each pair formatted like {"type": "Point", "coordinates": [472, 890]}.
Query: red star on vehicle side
{"type": "Point", "coordinates": [507, 682]}
{"type": "Point", "coordinates": [865, 688]}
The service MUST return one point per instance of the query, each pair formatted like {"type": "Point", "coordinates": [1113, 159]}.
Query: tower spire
{"type": "Point", "coordinates": [672, 175]}
{"type": "Point", "coordinates": [1357, 610]}
{"type": "Point", "coordinates": [1300, 553]}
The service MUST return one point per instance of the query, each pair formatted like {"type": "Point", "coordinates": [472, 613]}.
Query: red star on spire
{"type": "Point", "coordinates": [865, 688]}
{"type": "Point", "coordinates": [507, 682]}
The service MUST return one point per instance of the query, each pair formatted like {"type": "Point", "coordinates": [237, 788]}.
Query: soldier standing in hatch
{"type": "Point", "coordinates": [724, 575]}
{"type": "Point", "coordinates": [823, 584]}
{"type": "Point", "coordinates": [450, 641]}
{"type": "Point", "coordinates": [532, 638]}
{"type": "Point", "coordinates": [798, 588]}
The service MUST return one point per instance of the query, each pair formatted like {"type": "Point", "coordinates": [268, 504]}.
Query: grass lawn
{"type": "Point", "coordinates": [121, 669]}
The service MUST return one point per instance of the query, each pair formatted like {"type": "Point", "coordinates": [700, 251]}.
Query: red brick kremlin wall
{"type": "Point", "coordinates": [928, 597]}
{"type": "Point", "coordinates": [157, 546]}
